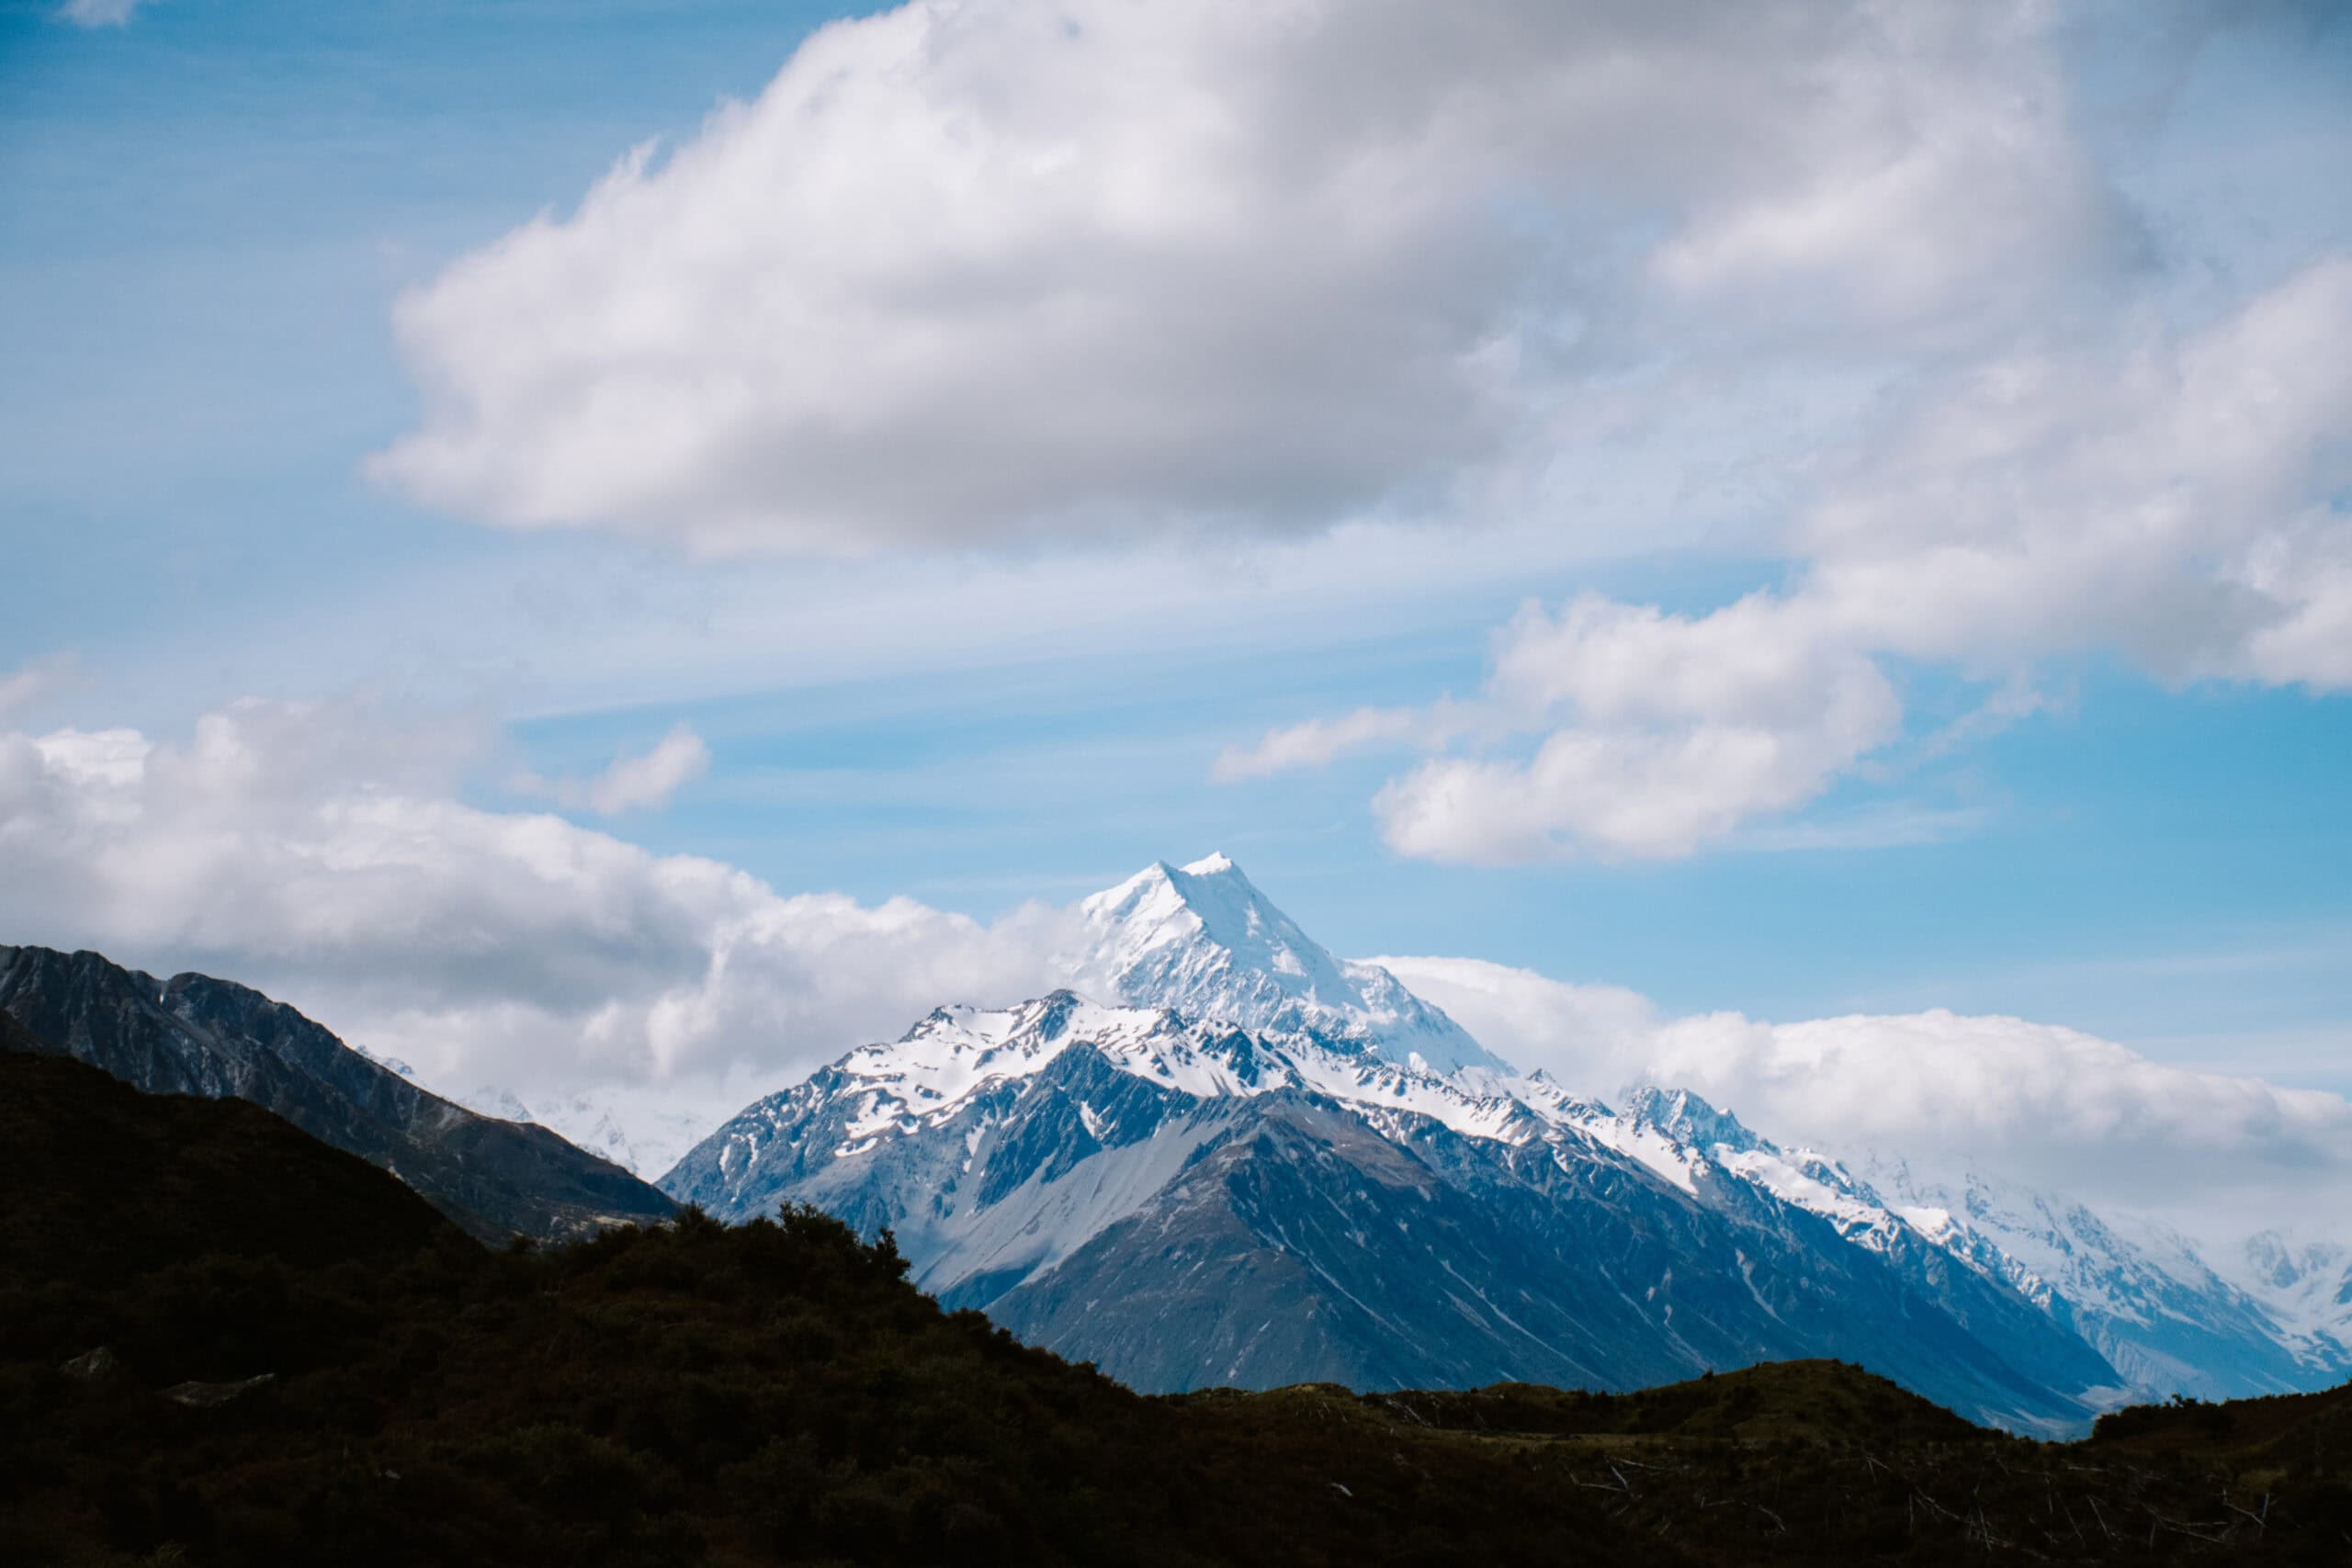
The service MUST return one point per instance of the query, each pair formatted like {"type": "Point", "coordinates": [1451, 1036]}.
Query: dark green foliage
{"type": "Point", "coordinates": [99, 1183]}
{"type": "Point", "coordinates": [1817, 1401]}
{"type": "Point", "coordinates": [778, 1392]}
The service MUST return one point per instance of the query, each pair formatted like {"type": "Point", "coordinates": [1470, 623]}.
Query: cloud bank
{"type": "Point", "coordinates": [317, 852]}
{"type": "Point", "coordinates": [979, 273]}
{"type": "Point", "coordinates": [2053, 1106]}
{"type": "Point", "coordinates": [2176, 498]}
{"type": "Point", "coordinates": [993, 274]}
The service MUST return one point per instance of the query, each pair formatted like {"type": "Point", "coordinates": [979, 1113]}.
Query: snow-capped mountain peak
{"type": "Point", "coordinates": [2307, 1286]}
{"type": "Point", "coordinates": [1689, 1119]}
{"type": "Point", "coordinates": [2136, 1289]}
{"type": "Point", "coordinates": [1203, 940]}
{"type": "Point", "coordinates": [956, 1054]}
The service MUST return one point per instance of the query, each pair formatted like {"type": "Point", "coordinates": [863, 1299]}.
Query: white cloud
{"type": "Point", "coordinates": [30, 682]}
{"type": "Point", "coordinates": [2035, 1102]}
{"type": "Point", "coordinates": [2175, 498]}
{"type": "Point", "coordinates": [631, 782]}
{"type": "Point", "coordinates": [973, 272]}
{"type": "Point", "coordinates": [1319, 741]}
{"type": "Point", "coordinates": [1585, 1035]}
{"type": "Point", "coordinates": [98, 13]}
{"type": "Point", "coordinates": [1673, 731]}
{"type": "Point", "coordinates": [316, 852]}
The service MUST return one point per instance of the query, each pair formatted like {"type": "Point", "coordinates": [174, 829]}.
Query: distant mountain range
{"type": "Point", "coordinates": [1268, 1164]}
{"type": "Point", "coordinates": [1252, 1163]}
{"type": "Point", "coordinates": [193, 1034]}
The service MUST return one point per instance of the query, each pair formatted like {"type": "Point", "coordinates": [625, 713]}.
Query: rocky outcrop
{"type": "Point", "coordinates": [194, 1034]}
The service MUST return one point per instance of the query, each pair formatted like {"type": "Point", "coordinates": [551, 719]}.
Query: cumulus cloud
{"type": "Point", "coordinates": [1672, 731]}
{"type": "Point", "coordinates": [316, 851]}
{"type": "Point", "coordinates": [973, 272]}
{"type": "Point", "coordinates": [631, 782]}
{"type": "Point", "coordinates": [2036, 1102]}
{"type": "Point", "coordinates": [2173, 497]}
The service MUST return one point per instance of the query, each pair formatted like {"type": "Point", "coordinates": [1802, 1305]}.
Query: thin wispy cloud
{"type": "Point", "coordinates": [40, 678]}
{"type": "Point", "coordinates": [632, 782]}
{"type": "Point", "coordinates": [99, 13]}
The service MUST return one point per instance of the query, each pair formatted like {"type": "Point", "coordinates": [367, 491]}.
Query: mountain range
{"type": "Point", "coordinates": [1254, 1163]}
{"type": "Point", "coordinates": [1226, 1157]}
{"type": "Point", "coordinates": [223, 1342]}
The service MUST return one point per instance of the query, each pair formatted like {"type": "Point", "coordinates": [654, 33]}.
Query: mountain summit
{"type": "Point", "coordinates": [1200, 939]}
{"type": "Point", "coordinates": [1253, 1163]}
{"type": "Point", "coordinates": [1250, 1162]}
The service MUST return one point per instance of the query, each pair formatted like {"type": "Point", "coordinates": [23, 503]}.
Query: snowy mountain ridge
{"type": "Point", "coordinates": [925, 1080]}
{"type": "Point", "coordinates": [1032, 1159]}
{"type": "Point", "coordinates": [925, 1077]}
{"type": "Point", "coordinates": [614, 1123]}
{"type": "Point", "coordinates": [1003, 1144]}
{"type": "Point", "coordinates": [1203, 940]}
{"type": "Point", "coordinates": [2307, 1285]}
{"type": "Point", "coordinates": [2139, 1290]}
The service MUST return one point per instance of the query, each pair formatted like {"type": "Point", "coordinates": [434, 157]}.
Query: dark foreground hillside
{"type": "Point", "coordinates": [194, 1034]}
{"type": "Point", "coordinates": [778, 1392]}
{"type": "Point", "coordinates": [127, 1182]}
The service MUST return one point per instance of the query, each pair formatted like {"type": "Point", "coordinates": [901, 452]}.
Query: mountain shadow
{"type": "Point", "coordinates": [194, 1034]}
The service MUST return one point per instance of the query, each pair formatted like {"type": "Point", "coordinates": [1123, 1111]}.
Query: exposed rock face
{"type": "Point", "coordinates": [1190, 1204]}
{"type": "Point", "coordinates": [1271, 1165]}
{"type": "Point", "coordinates": [212, 1396]}
{"type": "Point", "coordinates": [2139, 1292]}
{"type": "Point", "coordinates": [98, 1363]}
{"type": "Point", "coordinates": [193, 1034]}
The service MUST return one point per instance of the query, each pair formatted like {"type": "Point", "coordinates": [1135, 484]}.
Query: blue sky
{"type": "Point", "coordinates": [212, 209]}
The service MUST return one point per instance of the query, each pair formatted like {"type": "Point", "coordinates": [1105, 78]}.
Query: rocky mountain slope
{"type": "Point", "coordinates": [1191, 1203]}
{"type": "Point", "coordinates": [1273, 1165]}
{"type": "Point", "coordinates": [193, 1034]}
{"type": "Point", "coordinates": [2142, 1293]}
{"type": "Point", "coordinates": [2307, 1286]}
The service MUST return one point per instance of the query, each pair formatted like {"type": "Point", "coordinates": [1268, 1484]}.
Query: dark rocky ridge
{"type": "Point", "coordinates": [197, 1036]}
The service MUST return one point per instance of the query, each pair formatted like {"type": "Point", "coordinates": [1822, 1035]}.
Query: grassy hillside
{"type": "Point", "coordinates": [778, 1392]}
